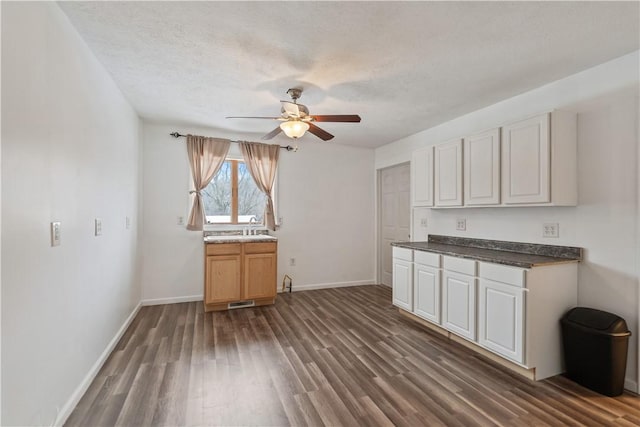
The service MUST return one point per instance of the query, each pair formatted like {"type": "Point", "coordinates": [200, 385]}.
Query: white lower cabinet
{"type": "Point", "coordinates": [426, 286]}
{"type": "Point", "coordinates": [501, 319]}
{"type": "Point", "coordinates": [459, 304]}
{"type": "Point", "coordinates": [512, 312]}
{"type": "Point", "coordinates": [403, 278]}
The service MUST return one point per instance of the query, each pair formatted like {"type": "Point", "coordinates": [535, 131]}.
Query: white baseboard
{"type": "Point", "coordinates": [631, 385]}
{"type": "Point", "coordinates": [309, 287]}
{"type": "Point", "coordinates": [88, 379]}
{"type": "Point", "coordinates": [172, 300]}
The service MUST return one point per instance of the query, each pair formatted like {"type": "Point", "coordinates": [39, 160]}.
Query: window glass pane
{"type": "Point", "coordinates": [217, 196]}
{"type": "Point", "coordinates": [251, 201]}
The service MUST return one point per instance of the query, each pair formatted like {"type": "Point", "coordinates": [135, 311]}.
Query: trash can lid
{"type": "Point", "coordinates": [597, 319]}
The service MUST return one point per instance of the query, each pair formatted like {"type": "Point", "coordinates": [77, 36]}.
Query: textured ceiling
{"type": "Point", "coordinates": [402, 66]}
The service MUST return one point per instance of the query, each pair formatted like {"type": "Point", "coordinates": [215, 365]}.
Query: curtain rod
{"type": "Point", "coordinates": [178, 135]}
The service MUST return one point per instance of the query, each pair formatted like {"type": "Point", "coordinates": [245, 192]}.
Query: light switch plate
{"type": "Point", "coordinates": [55, 233]}
{"type": "Point", "coordinates": [98, 228]}
{"type": "Point", "coordinates": [127, 222]}
{"type": "Point", "coordinates": [423, 222]}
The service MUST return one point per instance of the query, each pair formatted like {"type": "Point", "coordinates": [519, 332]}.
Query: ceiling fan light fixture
{"type": "Point", "coordinates": [294, 128]}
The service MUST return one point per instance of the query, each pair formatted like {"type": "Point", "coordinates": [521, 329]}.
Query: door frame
{"type": "Point", "coordinates": [378, 231]}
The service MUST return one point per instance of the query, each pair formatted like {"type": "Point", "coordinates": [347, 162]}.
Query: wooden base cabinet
{"type": "Point", "coordinates": [240, 272]}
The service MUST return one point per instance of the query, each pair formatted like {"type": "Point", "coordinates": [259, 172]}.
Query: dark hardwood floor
{"type": "Point", "coordinates": [328, 357]}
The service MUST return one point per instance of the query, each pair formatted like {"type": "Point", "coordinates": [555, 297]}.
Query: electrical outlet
{"type": "Point", "coordinates": [292, 262]}
{"type": "Point", "coordinates": [55, 233]}
{"type": "Point", "coordinates": [127, 222]}
{"type": "Point", "coordinates": [461, 224]}
{"type": "Point", "coordinates": [98, 228]}
{"type": "Point", "coordinates": [423, 222]}
{"type": "Point", "coordinates": [280, 221]}
{"type": "Point", "coordinates": [550, 229]}
{"type": "Point", "coordinates": [180, 220]}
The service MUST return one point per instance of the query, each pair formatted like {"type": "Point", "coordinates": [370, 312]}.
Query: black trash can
{"type": "Point", "coordinates": [595, 349]}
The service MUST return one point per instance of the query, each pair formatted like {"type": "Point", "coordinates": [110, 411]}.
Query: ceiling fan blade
{"type": "Point", "coordinates": [320, 133]}
{"type": "Point", "coordinates": [345, 118]}
{"type": "Point", "coordinates": [272, 133]}
{"type": "Point", "coordinates": [244, 117]}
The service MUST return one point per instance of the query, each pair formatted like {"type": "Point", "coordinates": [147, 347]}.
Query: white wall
{"type": "Point", "coordinates": [71, 153]}
{"type": "Point", "coordinates": [605, 222]}
{"type": "Point", "coordinates": [326, 200]}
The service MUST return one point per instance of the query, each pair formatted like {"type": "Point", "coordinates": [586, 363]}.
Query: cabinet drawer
{"type": "Point", "coordinates": [260, 248]}
{"type": "Point", "coordinates": [427, 258]}
{"type": "Point", "coordinates": [461, 265]}
{"type": "Point", "coordinates": [223, 248]}
{"type": "Point", "coordinates": [403, 253]}
{"type": "Point", "coordinates": [502, 273]}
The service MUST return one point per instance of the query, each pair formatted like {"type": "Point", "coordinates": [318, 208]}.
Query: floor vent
{"type": "Point", "coordinates": [241, 304]}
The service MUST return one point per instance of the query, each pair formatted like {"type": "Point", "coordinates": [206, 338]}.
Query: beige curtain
{"type": "Point", "coordinates": [262, 163]}
{"type": "Point", "coordinates": [206, 155]}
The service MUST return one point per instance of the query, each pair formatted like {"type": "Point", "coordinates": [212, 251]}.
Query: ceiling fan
{"type": "Point", "coordinates": [296, 119]}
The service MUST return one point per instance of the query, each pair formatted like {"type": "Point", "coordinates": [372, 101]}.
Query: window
{"type": "Point", "coordinates": [232, 196]}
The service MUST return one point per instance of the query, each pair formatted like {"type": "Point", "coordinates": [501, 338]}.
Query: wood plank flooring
{"type": "Point", "coordinates": [334, 357]}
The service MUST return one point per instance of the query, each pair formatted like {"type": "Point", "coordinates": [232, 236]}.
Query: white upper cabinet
{"type": "Point", "coordinates": [422, 177]}
{"type": "Point", "coordinates": [448, 173]}
{"type": "Point", "coordinates": [539, 160]}
{"type": "Point", "coordinates": [526, 159]}
{"type": "Point", "coordinates": [531, 162]}
{"type": "Point", "coordinates": [482, 169]}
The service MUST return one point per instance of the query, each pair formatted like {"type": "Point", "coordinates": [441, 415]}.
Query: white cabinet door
{"type": "Point", "coordinates": [448, 174]}
{"type": "Point", "coordinates": [426, 285]}
{"type": "Point", "coordinates": [403, 284]}
{"type": "Point", "coordinates": [459, 304]}
{"type": "Point", "coordinates": [482, 169]}
{"type": "Point", "coordinates": [501, 319]}
{"type": "Point", "coordinates": [422, 177]}
{"type": "Point", "coordinates": [526, 161]}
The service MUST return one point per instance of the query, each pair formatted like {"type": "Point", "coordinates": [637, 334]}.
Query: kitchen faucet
{"type": "Point", "coordinates": [252, 220]}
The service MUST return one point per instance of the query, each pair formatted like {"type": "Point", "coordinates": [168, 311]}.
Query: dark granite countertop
{"type": "Point", "coordinates": [239, 239]}
{"type": "Point", "coordinates": [515, 254]}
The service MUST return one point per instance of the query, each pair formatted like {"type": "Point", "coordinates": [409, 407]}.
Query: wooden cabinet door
{"type": "Point", "coordinates": [526, 161]}
{"type": "Point", "coordinates": [459, 304]}
{"type": "Point", "coordinates": [259, 276]}
{"type": "Point", "coordinates": [222, 279]}
{"type": "Point", "coordinates": [482, 169]}
{"type": "Point", "coordinates": [426, 282]}
{"type": "Point", "coordinates": [448, 174]}
{"type": "Point", "coordinates": [422, 177]}
{"type": "Point", "coordinates": [501, 319]}
{"type": "Point", "coordinates": [402, 284]}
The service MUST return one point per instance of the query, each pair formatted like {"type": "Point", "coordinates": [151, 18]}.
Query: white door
{"type": "Point", "coordinates": [526, 161]}
{"type": "Point", "coordinates": [482, 169]}
{"type": "Point", "coordinates": [426, 285]}
{"type": "Point", "coordinates": [402, 284]}
{"type": "Point", "coordinates": [448, 173]}
{"type": "Point", "coordinates": [394, 213]}
{"type": "Point", "coordinates": [422, 177]}
{"type": "Point", "coordinates": [459, 304]}
{"type": "Point", "coordinates": [501, 319]}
